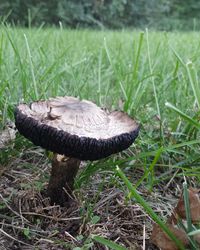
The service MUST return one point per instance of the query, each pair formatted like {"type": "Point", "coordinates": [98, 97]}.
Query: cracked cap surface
{"type": "Point", "coordinates": [75, 128]}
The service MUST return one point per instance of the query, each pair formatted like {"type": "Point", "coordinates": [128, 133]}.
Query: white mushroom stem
{"type": "Point", "coordinates": [62, 177]}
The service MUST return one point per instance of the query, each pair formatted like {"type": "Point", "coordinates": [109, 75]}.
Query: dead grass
{"type": "Point", "coordinates": [28, 221]}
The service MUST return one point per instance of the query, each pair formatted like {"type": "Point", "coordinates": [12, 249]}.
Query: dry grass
{"type": "Point", "coordinates": [28, 221]}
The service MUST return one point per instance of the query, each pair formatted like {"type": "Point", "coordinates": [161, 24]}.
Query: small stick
{"type": "Point", "coordinates": [4, 200]}
{"type": "Point", "coordinates": [22, 228]}
{"type": "Point", "coordinates": [53, 218]}
{"type": "Point", "coordinates": [11, 237]}
{"type": "Point", "coordinates": [144, 233]}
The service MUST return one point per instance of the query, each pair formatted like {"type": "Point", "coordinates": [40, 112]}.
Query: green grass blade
{"type": "Point", "coordinates": [108, 243]}
{"type": "Point", "coordinates": [93, 168]}
{"type": "Point", "coordinates": [187, 207]}
{"type": "Point", "coordinates": [178, 56]}
{"type": "Point", "coordinates": [183, 115]}
{"type": "Point", "coordinates": [99, 91]}
{"type": "Point", "coordinates": [36, 94]}
{"type": "Point", "coordinates": [108, 53]}
{"type": "Point", "coordinates": [151, 168]}
{"type": "Point", "coordinates": [148, 209]}
{"type": "Point", "coordinates": [151, 72]}
{"type": "Point", "coordinates": [195, 86]}
{"type": "Point", "coordinates": [188, 216]}
{"type": "Point", "coordinates": [195, 232]}
{"type": "Point", "coordinates": [134, 76]}
{"type": "Point", "coordinates": [23, 75]}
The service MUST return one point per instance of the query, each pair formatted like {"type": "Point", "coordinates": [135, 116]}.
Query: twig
{"type": "Point", "coordinates": [23, 228]}
{"type": "Point", "coordinates": [6, 203]}
{"type": "Point", "coordinates": [51, 217]}
{"type": "Point", "coordinates": [106, 199]}
{"type": "Point", "coordinates": [46, 240]}
{"type": "Point", "coordinates": [11, 237]}
{"type": "Point", "coordinates": [144, 233]}
{"type": "Point", "coordinates": [69, 235]}
{"type": "Point", "coordinates": [20, 212]}
{"type": "Point", "coordinates": [169, 182]}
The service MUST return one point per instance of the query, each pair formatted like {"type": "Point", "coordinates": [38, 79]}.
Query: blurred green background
{"type": "Point", "coordinates": [114, 14]}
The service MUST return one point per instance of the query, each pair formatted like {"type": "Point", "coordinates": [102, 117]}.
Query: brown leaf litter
{"type": "Point", "coordinates": [28, 221]}
{"type": "Point", "coordinates": [162, 240]}
{"type": "Point", "coordinates": [194, 206]}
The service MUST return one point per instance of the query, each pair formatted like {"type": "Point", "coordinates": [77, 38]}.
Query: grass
{"type": "Point", "coordinates": [153, 76]}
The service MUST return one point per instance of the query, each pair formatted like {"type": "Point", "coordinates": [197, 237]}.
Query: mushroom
{"type": "Point", "coordinates": [73, 130]}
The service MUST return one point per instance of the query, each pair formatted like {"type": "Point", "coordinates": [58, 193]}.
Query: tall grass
{"type": "Point", "coordinates": [146, 74]}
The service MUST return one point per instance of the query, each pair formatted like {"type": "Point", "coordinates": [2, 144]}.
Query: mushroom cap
{"type": "Point", "coordinates": [75, 128]}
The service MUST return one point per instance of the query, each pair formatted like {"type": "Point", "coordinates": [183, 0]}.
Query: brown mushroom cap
{"type": "Point", "coordinates": [79, 129]}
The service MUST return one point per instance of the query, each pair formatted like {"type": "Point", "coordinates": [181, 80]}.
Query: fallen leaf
{"type": "Point", "coordinates": [194, 206]}
{"type": "Point", "coordinates": [162, 240]}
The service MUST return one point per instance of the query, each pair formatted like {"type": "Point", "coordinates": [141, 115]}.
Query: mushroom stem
{"type": "Point", "coordinates": [62, 177]}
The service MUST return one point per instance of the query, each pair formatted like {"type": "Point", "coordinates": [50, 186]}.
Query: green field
{"type": "Point", "coordinates": [153, 76]}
